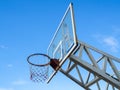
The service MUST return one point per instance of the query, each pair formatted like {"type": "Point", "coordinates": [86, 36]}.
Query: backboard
{"type": "Point", "coordinates": [64, 40]}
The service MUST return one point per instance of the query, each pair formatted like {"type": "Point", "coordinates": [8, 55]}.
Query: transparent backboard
{"type": "Point", "coordinates": [64, 41]}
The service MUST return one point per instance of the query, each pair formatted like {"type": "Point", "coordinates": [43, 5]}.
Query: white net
{"type": "Point", "coordinates": [38, 74]}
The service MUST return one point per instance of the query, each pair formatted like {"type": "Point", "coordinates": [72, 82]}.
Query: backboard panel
{"type": "Point", "coordinates": [65, 40]}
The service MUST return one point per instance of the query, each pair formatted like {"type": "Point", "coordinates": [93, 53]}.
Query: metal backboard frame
{"type": "Point", "coordinates": [64, 40]}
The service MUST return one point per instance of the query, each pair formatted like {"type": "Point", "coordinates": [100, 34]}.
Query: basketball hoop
{"type": "Point", "coordinates": [39, 66]}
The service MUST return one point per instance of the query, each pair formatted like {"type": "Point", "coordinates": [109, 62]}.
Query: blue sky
{"type": "Point", "coordinates": [27, 26]}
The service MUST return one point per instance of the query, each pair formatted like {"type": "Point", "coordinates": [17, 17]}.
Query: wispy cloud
{"type": "Point", "coordinates": [111, 42]}
{"type": "Point", "coordinates": [19, 82]}
{"type": "Point", "coordinates": [3, 47]}
{"type": "Point", "coordinates": [9, 65]}
{"type": "Point", "coordinates": [6, 89]}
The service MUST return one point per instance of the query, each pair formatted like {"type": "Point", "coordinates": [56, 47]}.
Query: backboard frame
{"type": "Point", "coordinates": [73, 47]}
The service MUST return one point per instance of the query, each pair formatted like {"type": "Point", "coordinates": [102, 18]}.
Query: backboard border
{"type": "Point", "coordinates": [70, 7]}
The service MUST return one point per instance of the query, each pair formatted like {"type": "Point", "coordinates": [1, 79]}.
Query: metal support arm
{"type": "Point", "coordinates": [89, 67]}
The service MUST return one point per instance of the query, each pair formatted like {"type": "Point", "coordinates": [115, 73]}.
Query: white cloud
{"type": "Point", "coordinates": [112, 43]}
{"type": "Point", "coordinates": [19, 82]}
{"type": "Point", "coordinates": [9, 65]}
{"type": "Point", "coordinates": [6, 89]}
